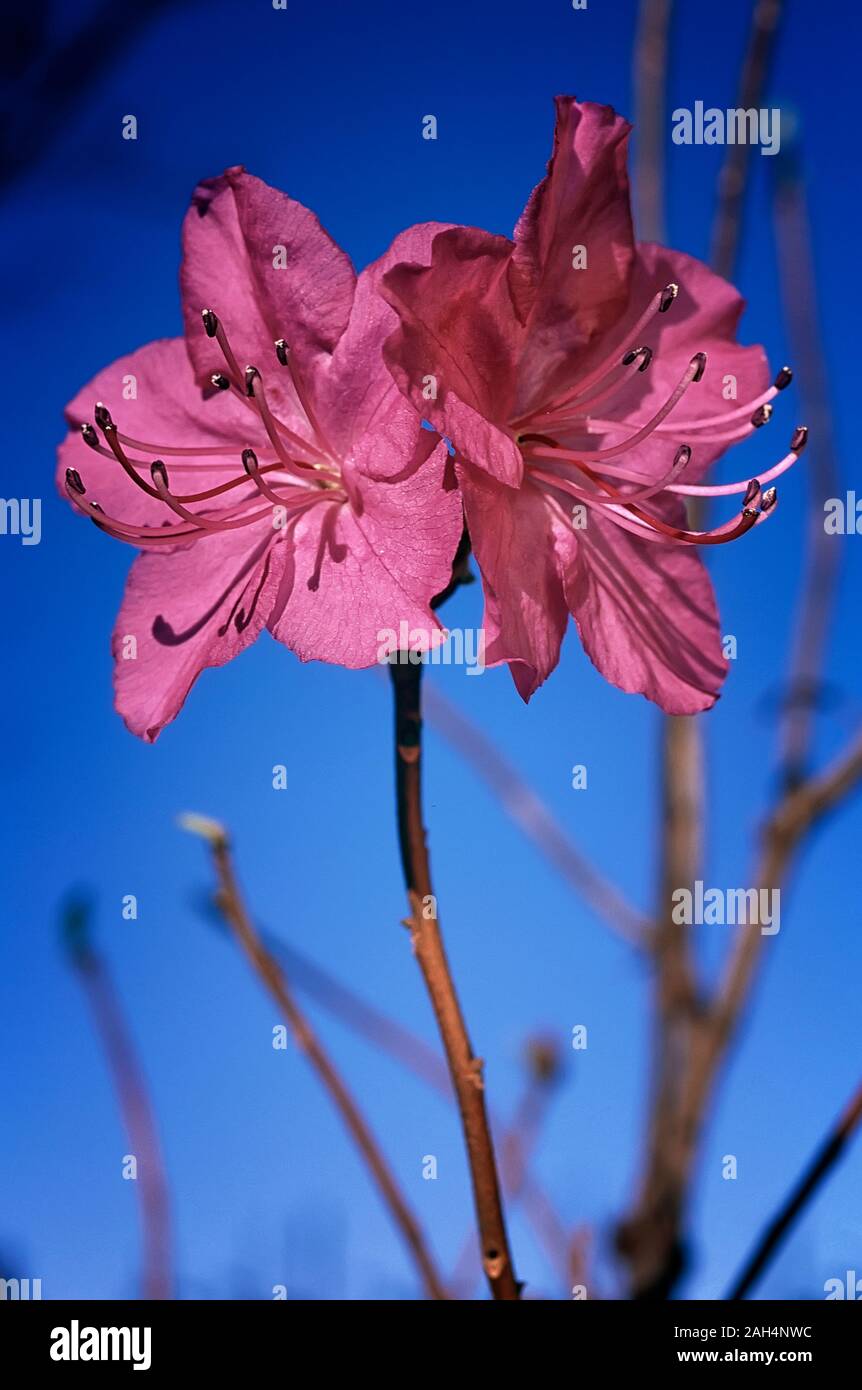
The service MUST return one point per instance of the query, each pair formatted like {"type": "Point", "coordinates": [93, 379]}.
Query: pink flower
{"type": "Point", "coordinates": [571, 374]}
{"type": "Point", "coordinates": [266, 465]}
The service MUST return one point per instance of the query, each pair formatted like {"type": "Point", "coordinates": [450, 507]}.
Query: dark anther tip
{"type": "Point", "coordinates": [751, 492]}
{"type": "Point", "coordinates": [646, 354]}
{"type": "Point", "coordinates": [668, 295]}
{"type": "Point", "coordinates": [220, 381]}
{"type": "Point", "coordinates": [700, 359]}
{"type": "Point", "coordinates": [784, 378]}
{"type": "Point", "coordinates": [682, 455]}
{"type": "Point", "coordinates": [249, 460]}
{"type": "Point", "coordinates": [630, 356]}
{"type": "Point", "coordinates": [210, 322]}
{"type": "Point", "coordinates": [770, 497]}
{"type": "Point", "coordinates": [159, 473]}
{"type": "Point", "coordinates": [251, 375]}
{"type": "Point", "coordinates": [103, 417]}
{"type": "Point", "coordinates": [89, 436]}
{"type": "Point", "coordinates": [761, 416]}
{"type": "Point", "coordinates": [73, 478]}
{"type": "Point", "coordinates": [281, 350]}
{"type": "Point", "coordinates": [799, 440]}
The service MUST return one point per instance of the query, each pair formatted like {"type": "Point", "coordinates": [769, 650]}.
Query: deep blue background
{"type": "Point", "coordinates": [326, 101]}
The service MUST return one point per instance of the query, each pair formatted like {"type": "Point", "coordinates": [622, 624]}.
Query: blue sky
{"type": "Point", "coordinates": [327, 102]}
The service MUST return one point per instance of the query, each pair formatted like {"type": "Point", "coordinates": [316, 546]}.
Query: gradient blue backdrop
{"type": "Point", "coordinates": [326, 101]}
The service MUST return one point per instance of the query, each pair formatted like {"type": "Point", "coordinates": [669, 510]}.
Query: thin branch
{"type": "Point", "coordinates": [650, 66]}
{"type": "Point", "coordinates": [517, 1148]}
{"type": "Point", "coordinates": [531, 815]}
{"type": "Point", "coordinates": [823, 554]}
{"type": "Point", "coordinates": [820, 1166]}
{"type": "Point", "coordinates": [464, 1066]}
{"type": "Point", "coordinates": [135, 1106]}
{"type": "Point", "coordinates": [271, 975]}
{"type": "Point", "coordinates": [734, 174]}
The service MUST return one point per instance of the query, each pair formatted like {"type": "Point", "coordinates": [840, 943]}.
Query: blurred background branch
{"type": "Point", "coordinates": [133, 1098]}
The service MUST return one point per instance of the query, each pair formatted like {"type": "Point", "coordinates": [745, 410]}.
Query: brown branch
{"type": "Point", "coordinates": [271, 975]}
{"type": "Point", "coordinates": [135, 1106]}
{"type": "Point", "coordinates": [465, 1068]}
{"type": "Point", "coordinates": [650, 66]}
{"type": "Point", "coordinates": [411, 1052]}
{"type": "Point", "coordinates": [516, 1150]}
{"type": "Point", "coordinates": [734, 174]}
{"type": "Point", "coordinates": [823, 554]}
{"type": "Point", "coordinates": [532, 816]}
{"type": "Point", "coordinates": [649, 1238]}
{"type": "Point", "coordinates": [822, 1163]}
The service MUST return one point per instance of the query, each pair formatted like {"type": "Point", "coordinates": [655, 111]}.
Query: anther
{"type": "Point", "coordinates": [159, 474]}
{"type": "Point", "coordinates": [251, 375]}
{"type": "Point", "coordinates": [210, 322]}
{"type": "Point", "coordinates": [682, 456]}
{"type": "Point", "coordinates": [73, 478]}
{"type": "Point", "coordinates": [249, 461]}
{"type": "Point", "coordinates": [700, 359]}
{"type": "Point", "coordinates": [103, 417]}
{"type": "Point", "coordinates": [799, 440]}
{"type": "Point", "coordinates": [752, 492]}
{"type": "Point", "coordinates": [784, 378]}
{"type": "Point", "coordinates": [668, 295]}
{"type": "Point", "coordinates": [762, 415]}
{"type": "Point", "coordinates": [281, 350]}
{"type": "Point", "coordinates": [89, 436]}
{"type": "Point", "coordinates": [770, 497]}
{"type": "Point", "coordinates": [632, 355]}
{"type": "Point", "coordinates": [220, 381]}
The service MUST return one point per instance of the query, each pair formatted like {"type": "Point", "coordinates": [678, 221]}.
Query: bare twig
{"type": "Point", "coordinates": [134, 1101]}
{"type": "Point", "coordinates": [516, 1150]}
{"type": "Point", "coordinates": [650, 66]}
{"type": "Point", "coordinates": [822, 1163]}
{"type": "Point", "coordinates": [823, 554]}
{"type": "Point", "coordinates": [465, 1068]}
{"type": "Point", "coordinates": [529, 812]}
{"type": "Point", "coordinates": [734, 174]}
{"type": "Point", "coordinates": [270, 973]}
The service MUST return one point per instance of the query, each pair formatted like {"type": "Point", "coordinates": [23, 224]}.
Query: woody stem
{"type": "Point", "coordinates": [465, 1069]}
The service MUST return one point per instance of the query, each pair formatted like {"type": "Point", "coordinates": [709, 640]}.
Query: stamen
{"type": "Point", "coordinates": [693, 372]}
{"type": "Point", "coordinates": [659, 304]}
{"type": "Point", "coordinates": [797, 444]}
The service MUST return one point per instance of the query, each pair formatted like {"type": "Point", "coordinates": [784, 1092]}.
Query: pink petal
{"type": "Point", "coordinates": [525, 611]}
{"type": "Point", "coordinates": [646, 613]}
{"type": "Point", "coordinates": [189, 609]}
{"type": "Point", "coordinates": [353, 575]}
{"type": "Point", "coordinates": [459, 336]}
{"type": "Point", "coordinates": [582, 201]}
{"type": "Point", "coordinates": [168, 410]}
{"type": "Point", "coordinates": [357, 381]}
{"type": "Point", "coordinates": [231, 238]}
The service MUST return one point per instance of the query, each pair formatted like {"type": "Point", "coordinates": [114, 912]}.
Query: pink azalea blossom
{"type": "Point", "coordinates": [584, 380]}
{"type": "Point", "coordinates": [266, 465]}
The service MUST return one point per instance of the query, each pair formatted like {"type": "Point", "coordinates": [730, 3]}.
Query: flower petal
{"type": "Point", "coordinates": [355, 573]}
{"type": "Point", "coordinates": [266, 266]}
{"type": "Point", "coordinates": [513, 541]}
{"type": "Point", "coordinates": [646, 613]}
{"type": "Point", "coordinates": [455, 353]}
{"type": "Point", "coordinates": [582, 202]}
{"type": "Point", "coordinates": [187, 610]}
